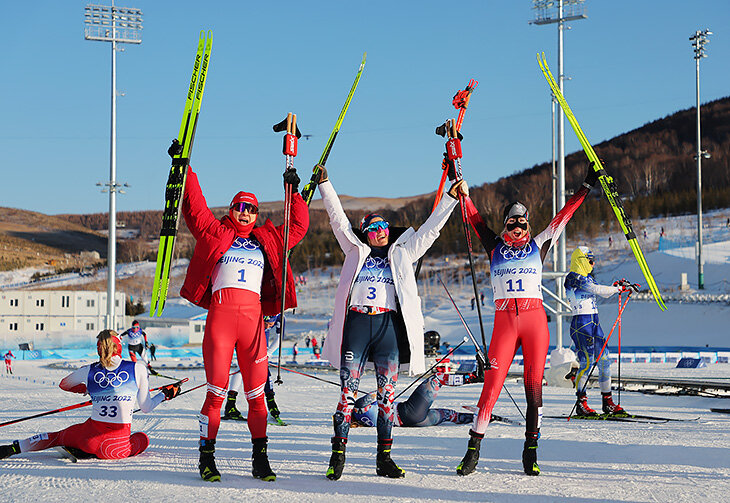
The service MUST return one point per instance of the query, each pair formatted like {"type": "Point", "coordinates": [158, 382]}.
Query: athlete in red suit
{"type": "Point", "coordinates": [519, 320]}
{"type": "Point", "coordinates": [235, 273]}
{"type": "Point", "coordinates": [113, 385]}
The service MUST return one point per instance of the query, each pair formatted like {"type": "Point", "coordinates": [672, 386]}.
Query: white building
{"type": "Point", "coordinates": [32, 315]}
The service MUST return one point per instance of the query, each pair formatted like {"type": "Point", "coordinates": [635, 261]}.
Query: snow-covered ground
{"type": "Point", "coordinates": [580, 460]}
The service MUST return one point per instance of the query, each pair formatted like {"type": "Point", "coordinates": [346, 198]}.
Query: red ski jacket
{"type": "Point", "coordinates": [214, 237]}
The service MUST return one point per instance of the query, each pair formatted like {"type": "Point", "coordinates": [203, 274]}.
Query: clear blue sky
{"type": "Point", "coordinates": [630, 63]}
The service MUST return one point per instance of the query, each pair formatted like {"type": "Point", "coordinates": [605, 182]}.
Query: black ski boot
{"type": "Point", "coordinates": [471, 458]}
{"type": "Point", "coordinates": [206, 465]}
{"type": "Point", "coordinates": [386, 467]}
{"type": "Point", "coordinates": [261, 469]}
{"type": "Point", "coordinates": [271, 404]}
{"type": "Point", "coordinates": [337, 460]}
{"type": "Point", "coordinates": [529, 455]}
{"type": "Point", "coordinates": [9, 450]}
{"type": "Point", "coordinates": [230, 411]}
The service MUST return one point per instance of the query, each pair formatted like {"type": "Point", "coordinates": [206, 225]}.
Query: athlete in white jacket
{"type": "Point", "coordinates": [377, 314]}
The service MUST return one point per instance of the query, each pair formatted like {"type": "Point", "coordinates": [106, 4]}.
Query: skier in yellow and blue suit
{"type": "Point", "coordinates": [585, 330]}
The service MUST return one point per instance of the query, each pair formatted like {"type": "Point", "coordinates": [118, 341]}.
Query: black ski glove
{"type": "Point", "coordinates": [175, 149]}
{"type": "Point", "coordinates": [446, 164]}
{"type": "Point", "coordinates": [591, 177]}
{"type": "Point", "coordinates": [322, 174]}
{"type": "Point", "coordinates": [171, 390]}
{"type": "Point", "coordinates": [291, 177]}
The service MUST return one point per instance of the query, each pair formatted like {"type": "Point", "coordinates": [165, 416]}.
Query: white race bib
{"type": "Point", "coordinates": [516, 273]}
{"type": "Point", "coordinates": [242, 266]}
{"type": "Point", "coordinates": [374, 285]}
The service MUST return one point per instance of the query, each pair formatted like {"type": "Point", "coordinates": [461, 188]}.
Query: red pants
{"type": "Point", "coordinates": [511, 330]}
{"type": "Point", "coordinates": [235, 321]}
{"type": "Point", "coordinates": [103, 440]}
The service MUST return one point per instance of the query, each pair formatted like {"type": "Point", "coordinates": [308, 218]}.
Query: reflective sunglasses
{"type": "Point", "coordinates": [375, 226]}
{"type": "Point", "coordinates": [241, 207]}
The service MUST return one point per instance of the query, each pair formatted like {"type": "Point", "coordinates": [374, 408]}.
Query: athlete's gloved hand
{"type": "Point", "coordinates": [146, 345]}
{"type": "Point", "coordinates": [591, 177]}
{"type": "Point", "coordinates": [449, 166]}
{"type": "Point", "coordinates": [291, 177]}
{"type": "Point", "coordinates": [171, 390]}
{"type": "Point", "coordinates": [175, 149]}
{"type": "Point", "coordinates": [459, 188]}
{"type": "Point", "coordinates": [322, 174]}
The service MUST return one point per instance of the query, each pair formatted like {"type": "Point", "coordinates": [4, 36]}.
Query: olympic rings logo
{"type": "Point", "coordinates": [377, 263]}
{"type": "Point", "coordinates": [111, 378]}
{"type": "Point", "coordinates": [246, 244]}
{"type": "Point", "coordinates": [509, 253]}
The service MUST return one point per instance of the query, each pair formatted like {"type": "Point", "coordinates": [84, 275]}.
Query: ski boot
{"type": "Point", "coordinates": [337, 460]}
{"type": "Point", "coordinates": [386, 467]}
{"type": "Point", "coordinates": [471, 458]}
{"type": "Point", "coordinates": [9, 450]}
{"type": "Point", "coordinates": [529, 455]}
{"type": "Point", "coordinates": [274, 409]}
{"type": "Point", "coordinates": [206, 465]}
{"type": "Point", "coordinates": [581, 406]}
{"type": "Point", "coordinates": [611, 408]}
{"type": "Point", "coordinates": [260, 460]}
{"type": "Point", "coordinates": [230, 411]}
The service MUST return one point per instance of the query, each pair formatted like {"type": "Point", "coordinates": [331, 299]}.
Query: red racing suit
{"type": "Point", "coordinates": [519, 318]}
{"type": "Point", "coordinates": [235, 317]}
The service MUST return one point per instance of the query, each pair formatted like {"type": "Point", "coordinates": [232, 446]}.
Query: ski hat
{"type": "Point", "coordinates": [243, 197]}
{"type": "Point", "coordinates": [135, 323]}
{"type": "Point", "coordinates": [580, 261]}
{"type": "Point", "coordinates": [367, 220]}
{"type": "Point", "coordinates": [515, 209]}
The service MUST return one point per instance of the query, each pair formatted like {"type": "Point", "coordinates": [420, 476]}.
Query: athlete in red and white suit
{"type": "Point", "coordinates": [113, 385]}
{"type": "Point", "coordinates": [519, 319]}
{"type": "Point", "coordinates": [235, 273]}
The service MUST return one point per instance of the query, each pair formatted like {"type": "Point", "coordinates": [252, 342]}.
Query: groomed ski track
{"type": "Point", "coordinates": [583, 461]}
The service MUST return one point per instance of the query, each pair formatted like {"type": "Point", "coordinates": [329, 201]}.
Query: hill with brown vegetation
{"type": "Point", "coordinates": [653, 166]}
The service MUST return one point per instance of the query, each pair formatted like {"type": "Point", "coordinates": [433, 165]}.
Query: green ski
{"type": "Point", "coordinates": [607, 183]}
{"type": "Point", "coordinates": [176, 180]}
{"type": "Point", "coordinates": [308, 190]}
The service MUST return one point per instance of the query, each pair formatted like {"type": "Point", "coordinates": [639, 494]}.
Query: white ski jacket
{"type": "Point", "coordinates": [406, 250]}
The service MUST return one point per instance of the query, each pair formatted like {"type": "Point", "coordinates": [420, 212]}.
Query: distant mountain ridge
{"type": "Point", "coordinates": [653, 165]}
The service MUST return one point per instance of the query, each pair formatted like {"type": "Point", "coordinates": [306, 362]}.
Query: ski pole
{"type": "Point", "coordinates": [619, 351]}
{"type": "Point", "coordinates": [449, 353]}
{"type": "Point", "coordinates": [311, 376]}
{"type": "Point", "coordinates": [453, 153]}
{"type": "Point", "coordinates": [600, 354]}
{"type": "Point", "coordinates": [290, 152]}
{"type": "Point", "coordinates": [480, 355]}
{"type": "Point", "coordinates": [460, 102]}
{"type": "Point", "coordinates": [62, 409]}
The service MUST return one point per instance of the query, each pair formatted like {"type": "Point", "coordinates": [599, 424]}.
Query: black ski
{"type": "Point", "coordinates": [608, 417]}
{"type": "Point", "coordinates": [721, 411]}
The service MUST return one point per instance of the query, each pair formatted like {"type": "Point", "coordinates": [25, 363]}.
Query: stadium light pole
{"type": "Point", "coordinates": [107, 23]}
{"type": "Point", "coordinates": [699, 39]}
{"type": "Point", "coordinates": [559, 12]}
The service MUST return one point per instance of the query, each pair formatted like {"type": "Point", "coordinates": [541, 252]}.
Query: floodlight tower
{"type": "Point", "coordinates": [559, 12]}
{"type": "Point", "coordinates": [699, 39]}
{"type": "Point", "coordinates": [106, 23]}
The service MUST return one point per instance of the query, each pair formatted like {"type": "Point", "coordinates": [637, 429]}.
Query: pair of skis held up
{"type": "Point", "coordinates": [176, 181]}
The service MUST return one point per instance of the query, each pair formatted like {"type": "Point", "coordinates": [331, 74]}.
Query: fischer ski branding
{"type": "Point", "coordinates": [607, 183]}
{"type": "Point", "coordinates": [174, 190]}
{"type": "Point", "coordinates": [308, 190]}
